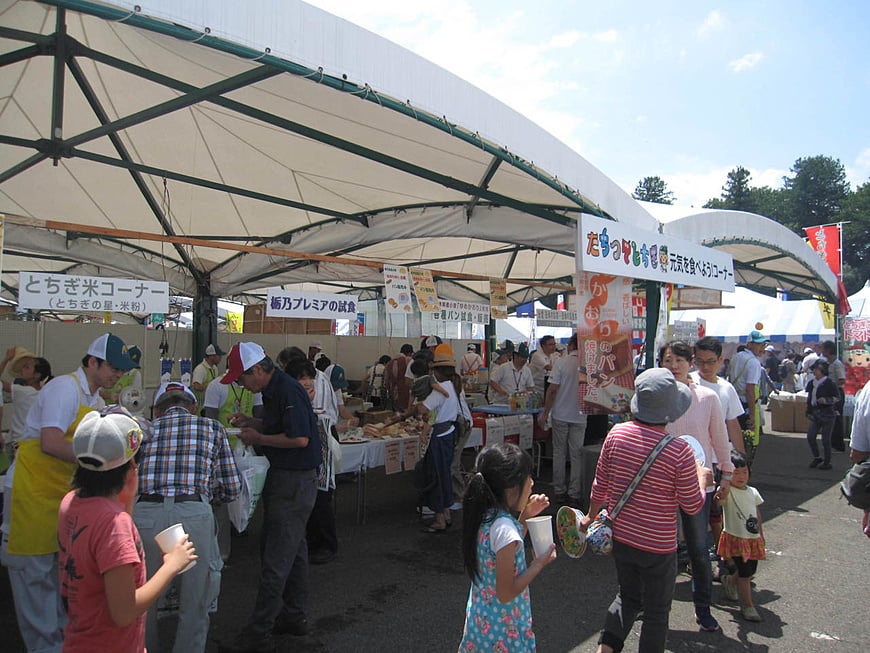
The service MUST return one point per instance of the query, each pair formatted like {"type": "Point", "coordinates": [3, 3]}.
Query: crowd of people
{"type": "Point", "coordinates": [93, 485]}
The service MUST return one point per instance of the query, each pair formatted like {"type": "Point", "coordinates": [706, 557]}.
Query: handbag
{"type": "Point", "coordinates": [599, 535]}
{"type": "Point", "coordinates": [252, 471]}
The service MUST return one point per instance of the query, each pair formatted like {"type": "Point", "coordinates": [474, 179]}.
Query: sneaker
{"type": "Point", "coordinates": [825, 466]}
{"type": "Point", "coordinates": [708, 623]}
{"type": "Point", "coordinates": [816, 462]}
{"type": "Point", "coordinates": [750, 613]}
{"type": "Point", "coordinates": [426, 511]}
{"type": "Point", "coordinates": [729, 584]}
{"type": "Point", "coordinates": [456, 506]}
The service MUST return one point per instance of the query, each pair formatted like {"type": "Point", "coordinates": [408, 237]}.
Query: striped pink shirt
{"type": "Point", "coordinates": [704, 422]}
{"type": "Point", "coordinates": [648, 521]}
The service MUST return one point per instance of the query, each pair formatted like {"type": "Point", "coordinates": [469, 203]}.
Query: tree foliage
{"type": "Point", "coordinates": [653, 189]}
{"type": "Point", "coordinates": [816, 193]}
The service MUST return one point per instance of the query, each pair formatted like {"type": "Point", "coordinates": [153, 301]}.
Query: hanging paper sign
{"type": "Point", "coordinates": [294, 303]}
{"type": "Point", "coordinates": [72, 292]}
{"type": "Point", "coordinates": [546, 317]}
{"type": "Point", "coordinates": [424, 289]}
{"type": "Point", "coordinates": [498, 299]}
{"type": "Point", "coordinates": [604, 343]}
{"type": "Point", "coordinates": [359, 327]}
{"type": "Point", "coordinates": [623, 250]}
{"type": "Point", "coordinates": [393, 456]}
{"type": "Point", "coordinates": [235, 321]}
{"type": "Point", "coordinates": [452, 311]}
{"type": "Point", "coordinates": [397, 289]}
{"type": "Point", "coordinates": [412, 453]}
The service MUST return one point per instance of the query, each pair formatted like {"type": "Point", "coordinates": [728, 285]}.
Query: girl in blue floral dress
{"type": "Point", "coordinates": [498, 617]}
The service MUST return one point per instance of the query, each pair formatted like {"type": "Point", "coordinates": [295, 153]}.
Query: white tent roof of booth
{"type": "Point", "coordinates": [172, 129]}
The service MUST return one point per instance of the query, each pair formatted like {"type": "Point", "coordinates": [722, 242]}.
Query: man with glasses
{"type": "Point", "coordinates": [287, 435]}
{"type": "Point", "coordinates": [44, 467]}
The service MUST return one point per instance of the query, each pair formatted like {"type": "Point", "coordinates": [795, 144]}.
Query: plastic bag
{"type": "Point", "coordinates": [252, 469]}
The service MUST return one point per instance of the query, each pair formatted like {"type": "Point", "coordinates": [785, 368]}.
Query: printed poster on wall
{"type": "Point", "coordinates": [856, 353]}
{"type": "Point", "coordinates": [397, 289]}
{"type": "Point", "coordinates": [604, 342]}
{"type": "Point", "coordinates": [424, 289]}
{"type": "Point", "coordinates": [498, 299]}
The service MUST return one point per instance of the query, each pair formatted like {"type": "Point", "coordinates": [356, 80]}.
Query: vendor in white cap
{"type": "Point", "coordinates": [206, 372]}
{"type": "Point", "coordinates": [102, 565]}
{"type": "Point", "coordinates": [44, 466]}
{"type": "Point", "coordinates": [514, 377]}
{"type": "Point", "coordinates": [470, 363]}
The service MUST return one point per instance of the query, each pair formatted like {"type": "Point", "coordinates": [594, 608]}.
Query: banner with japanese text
{"type": "Point", "coordinates": [604, 343]}
{"type": "Point", "coordinates": [825, 242]}
{"type": "Point", "coordinates": [856, 353]}
{"type": "Point", "coordinates": [235, 321]}
{"type": "Point", "coordinates": [498, 305]}
{"type": "Point", "coordinates": [452, 311]}
{"type": "Point", "coordinates": [397, 289]}
{"type": "Point", "coordinates": [623, 250]}
{"type": "Point", "coordinates": [424, 289]}
{"type": "Point", "coordinates": [71, 292]}
{"type": "Point", "coordinates": [295, 303]}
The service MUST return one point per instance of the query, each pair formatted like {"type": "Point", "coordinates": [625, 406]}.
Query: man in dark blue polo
{"type": "Point", "coordinates": [287, 436]}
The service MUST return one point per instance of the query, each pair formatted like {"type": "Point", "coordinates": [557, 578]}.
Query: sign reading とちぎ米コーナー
{"type": "Point", "coordinates": [610, 247]}
{"type": "Point", "coordinates": [75, 293]}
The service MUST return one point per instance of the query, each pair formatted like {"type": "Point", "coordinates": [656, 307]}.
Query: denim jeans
{"type": "Point", "coordinates": [695, 531]}
{"type": "Point", "coordinates": [646, 583]}
{"type": "Point", "coordinates": [825, 427]}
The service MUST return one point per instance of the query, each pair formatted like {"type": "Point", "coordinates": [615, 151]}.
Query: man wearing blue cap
{"type": "Point", "coordinates": [746, 379]}
{"type": "Point", "coordinates": [44, 466]}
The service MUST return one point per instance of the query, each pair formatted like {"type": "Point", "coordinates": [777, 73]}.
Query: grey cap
{"type": "Point", "coordinates": [658, 397]}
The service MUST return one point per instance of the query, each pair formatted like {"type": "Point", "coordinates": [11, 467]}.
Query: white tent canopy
{"type": "Point", "coordinates": [167, 150]}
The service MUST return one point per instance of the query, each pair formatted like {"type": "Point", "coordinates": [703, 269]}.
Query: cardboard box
{"type": "Point", "coordinates": [526, 430]}
{"type": "Point", "coordinates": [781, 413]}
{"type": "Point", "coordinates": [801, 423]}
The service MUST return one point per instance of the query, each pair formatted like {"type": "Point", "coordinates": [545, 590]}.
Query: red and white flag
{"type": "Point", "coordinates": [825, 241]}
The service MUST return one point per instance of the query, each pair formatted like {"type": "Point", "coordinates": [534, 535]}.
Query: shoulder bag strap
{"type": "Point", "coordinates": [650, 459]}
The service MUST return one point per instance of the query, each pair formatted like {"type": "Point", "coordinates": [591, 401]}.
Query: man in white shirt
{"type": "Point", "coordinates": [206, 372]}
{"type": "Point", "coordinates": [470, 363]}
{"type": "Point", "coordinates": [837, 374]}
{"type": "Point", "coordinates": [512, 377]}
{"type": "Point", "coordinates": [541, 362]}
{"type": "Point", "coordinates": [562, 407]}
{"type": "Point", "coordinates": [810, 357]}
{"type": "Point", "coordinates": [859, 445]}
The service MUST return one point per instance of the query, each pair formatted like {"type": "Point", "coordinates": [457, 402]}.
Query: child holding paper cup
{"type": "Point", "coordinates": [101, 559]}
{"type": "Point", "coordinates": [497, 503]}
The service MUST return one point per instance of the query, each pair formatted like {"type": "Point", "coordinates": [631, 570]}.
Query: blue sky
{"type": "Point", "coordinates": [682, 90]}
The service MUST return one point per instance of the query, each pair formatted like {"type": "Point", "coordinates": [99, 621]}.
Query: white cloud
{"type": "Point", "coordinates": [745, 62]}
{"type": "Point", "coordinates": [713, 21]}
{"type": "Point", "coordinates": [608, 36]}
{"type": "Point", "coordinates": [859, 172]}
{"type": "Point", "coordinates": [565, 39]}
{"type": "Point", "coordinates": [697, 188]}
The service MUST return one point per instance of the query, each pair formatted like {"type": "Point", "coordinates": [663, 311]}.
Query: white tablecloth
{"type": "Point", "coordinates": [366, 455]}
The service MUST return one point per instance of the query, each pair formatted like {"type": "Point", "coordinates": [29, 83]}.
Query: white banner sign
{"type": "Point", "coordinates": [462, 312]}
{"type": "Point", "coordinates": [70, 292]}
{"type": "Point", "coordinates": [616, 248]}
{"type": "Point", "coordinates": [547, 317]}
{"type": "Point", "coordinates": [397, 289]}
{"type": "Point", "coordinates": [293, 303]}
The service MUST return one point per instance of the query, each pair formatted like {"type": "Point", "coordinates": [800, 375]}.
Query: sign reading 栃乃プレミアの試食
{"type": "Point", "coordinates": [620, 249]}
{"type": "Point", "coordinates": [76, 293]}
{"type": "Point", "coordinates": [293, 303]}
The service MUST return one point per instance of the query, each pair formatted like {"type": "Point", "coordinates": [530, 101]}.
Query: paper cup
{"type": "Point", "coordinates": [541, 532]}
{"type": "Point", "coordinates": [573, 540]}
{"type": "Point", "coordinates": [168, 538]}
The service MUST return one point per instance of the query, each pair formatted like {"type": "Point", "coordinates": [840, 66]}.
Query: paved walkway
{"type": "Point", "coordinates": [393, 588]}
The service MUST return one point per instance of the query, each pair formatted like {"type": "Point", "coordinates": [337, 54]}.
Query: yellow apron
{"type": "Point", "coordinates": [41, 481]}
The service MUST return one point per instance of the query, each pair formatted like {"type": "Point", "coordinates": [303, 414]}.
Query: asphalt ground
{"type": "Point", "coordinates": [393, 588]}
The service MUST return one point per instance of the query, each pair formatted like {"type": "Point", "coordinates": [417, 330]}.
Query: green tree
{"type": "Point", "coordinates": [736, 193]}
{"type": "Point", "coordinates": [771, 203]}
{"type": "Point", "coordinates": [816, 191]}
{"type": "Point", "coordinates": [856, 245]}
{"type": "Point", "coordinates": [653, 189]}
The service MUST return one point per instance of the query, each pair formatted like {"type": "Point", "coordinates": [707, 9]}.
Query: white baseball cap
{"type": "Point", "coordinates": [171, 388]}
{"type": "Point", "coordinates": [106, 439]}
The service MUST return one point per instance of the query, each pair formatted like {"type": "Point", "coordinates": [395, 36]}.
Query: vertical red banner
{"type": "Point", "coordinates": [825, 241]}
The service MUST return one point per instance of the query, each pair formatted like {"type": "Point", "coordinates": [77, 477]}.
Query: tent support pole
{"type": "Point", "coordinates": [205, 314]}
{"type": "Point", "coordinates": [653, 304]}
